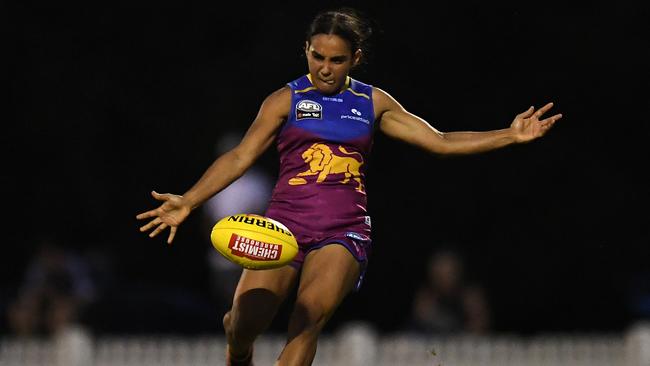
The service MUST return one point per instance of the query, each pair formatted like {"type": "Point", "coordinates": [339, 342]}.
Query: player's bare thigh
{"type": "Point", "coordinates": [277, 281]}
{"type": "Point", "coordinates": [258, 295]}
{"type": "Point", "coordinates": [328, 274]}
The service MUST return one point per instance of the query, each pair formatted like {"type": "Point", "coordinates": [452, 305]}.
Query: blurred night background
{"type": "Point", "coordinates": [106, 103]}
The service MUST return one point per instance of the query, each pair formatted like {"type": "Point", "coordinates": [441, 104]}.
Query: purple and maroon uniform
{"type": "Point", "coordinates": [324, 144]}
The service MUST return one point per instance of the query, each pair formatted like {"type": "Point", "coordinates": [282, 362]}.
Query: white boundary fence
{"type": "Point", "coordinates": [352, 345]}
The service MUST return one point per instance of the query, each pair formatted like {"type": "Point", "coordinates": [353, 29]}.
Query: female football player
{"type": "Point", "coordinates": [323, 124]}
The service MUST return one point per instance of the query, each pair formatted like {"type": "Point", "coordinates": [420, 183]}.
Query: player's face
{"type": "Point", "coordinates": [330, 59]}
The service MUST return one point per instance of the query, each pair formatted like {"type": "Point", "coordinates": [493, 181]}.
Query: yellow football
{"type": "Point", "coordinates": [254, 241]}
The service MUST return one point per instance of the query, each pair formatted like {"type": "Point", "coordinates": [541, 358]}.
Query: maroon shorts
{"type": "Point", "coordinates": [313, 232]}
{"type": "Point", "coordinates": [357, 244]}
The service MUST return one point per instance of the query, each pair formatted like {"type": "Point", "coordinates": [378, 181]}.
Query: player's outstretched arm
{"type": "Point", "coordinates": [223, 171]}
{"type": "Point", "coordinates": [398, 123]}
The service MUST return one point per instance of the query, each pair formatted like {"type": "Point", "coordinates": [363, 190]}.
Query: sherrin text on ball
{"type": "Point", "coordinates": [254, 241]}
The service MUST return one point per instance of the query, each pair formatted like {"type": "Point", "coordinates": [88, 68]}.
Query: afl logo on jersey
{"type": "Point", "coordinates": [308, 109]}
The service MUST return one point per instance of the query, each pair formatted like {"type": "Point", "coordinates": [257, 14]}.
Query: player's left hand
{"type": "Point", "coordinates": [528, 125]}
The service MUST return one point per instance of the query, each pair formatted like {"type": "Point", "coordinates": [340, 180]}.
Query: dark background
{"type": "Point", "coordinates": [106, 103]}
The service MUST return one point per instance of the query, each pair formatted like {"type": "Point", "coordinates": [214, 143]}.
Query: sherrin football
{"type": "Point", "coordinates": [254, 241]}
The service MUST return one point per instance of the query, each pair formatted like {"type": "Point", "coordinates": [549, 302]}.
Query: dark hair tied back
{"type": "Point", "coordinates": [345, 22]}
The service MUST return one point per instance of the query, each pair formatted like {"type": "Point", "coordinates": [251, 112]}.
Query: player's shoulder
{"type": "Point", "coordinates": [379, 92]}
{"type": "Point", "coordinates": [382, 99]}
{"type": "Point", "coordinates": [279, 96]}
{"type": "Point", "coordinates": [280, 93]}
{"type": "Point", "coordinates": [276, 104]}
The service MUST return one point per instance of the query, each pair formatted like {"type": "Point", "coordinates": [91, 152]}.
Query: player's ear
{"type": "Point", "coordinates": [356, 58]}
{"type": "Point", "coordinates": [306, 47]}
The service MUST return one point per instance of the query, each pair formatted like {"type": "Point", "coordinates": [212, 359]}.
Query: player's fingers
{"type": "Point", "coordinates": [157, 231]}
{"type": "Point", "coordinates": [527, 113]}
{"type": "Point", "coordinates": [552, 119]}
{"type": "Point", "coordinates": [160, 196]}
{"type": "Point", "coordinates": [146, 215]}
{"type": "Point", "coordinates": [172, 234]}
{"type": "Point", "coordinates": [151, 224]}
{"type": "Point", "coordinates": [543, 110]}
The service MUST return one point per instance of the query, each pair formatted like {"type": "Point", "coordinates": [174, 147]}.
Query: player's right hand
{"type": "Point", "coordinates": [171, 213]}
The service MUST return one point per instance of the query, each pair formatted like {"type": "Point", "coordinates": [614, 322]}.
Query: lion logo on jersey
{"type": "Point", "coordinates": [323, 162]}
